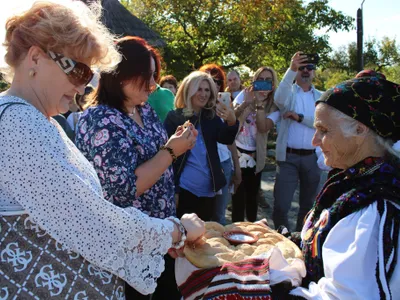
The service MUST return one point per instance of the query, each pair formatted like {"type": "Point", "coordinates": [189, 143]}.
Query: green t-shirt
{"type": "Point", "coordinates": [162, 101]}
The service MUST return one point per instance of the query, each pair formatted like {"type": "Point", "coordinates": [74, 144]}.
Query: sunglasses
{"type": "Point", "coordinates": [78, 73]}
{"type": "Point", "coordinates": [309, 67]}
{"type": "Point", "coordinates": [218, 81]}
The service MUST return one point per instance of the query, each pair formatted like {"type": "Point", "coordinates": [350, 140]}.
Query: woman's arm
{"type": "Point", "coordinates": [149, 172]}
{"type": "Point", "coordinates": [266, 123]}
{"type": "Point", "coordinates": [121, 175]}
{"type": "Point", "coordinates": [61, 192]}
{"type": "Point", "coordinates": [237, 175]}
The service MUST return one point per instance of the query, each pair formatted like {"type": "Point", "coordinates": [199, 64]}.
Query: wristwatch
{"type": "Point", "coordinates": [301, 118]}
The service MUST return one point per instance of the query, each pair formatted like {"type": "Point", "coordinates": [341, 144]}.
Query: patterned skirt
{"type": "Point", "coordinates": [34, 266]}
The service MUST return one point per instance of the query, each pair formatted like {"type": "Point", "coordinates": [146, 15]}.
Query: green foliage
{"type": "Point", "coordinates": [382, 56]}
{"type": "Point", "coordinates": [237, 32]}
{"type": "Point", "coordinates": [378, 55]}
{"type": "Point", "coordinates": [3, 85]}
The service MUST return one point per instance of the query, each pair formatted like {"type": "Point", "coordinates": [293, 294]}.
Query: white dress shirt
{"type": "Point", "coordinates": [299, 135]}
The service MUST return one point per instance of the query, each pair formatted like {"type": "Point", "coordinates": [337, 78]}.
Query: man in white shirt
{"type": "Point", "coordinates": [295, 155]}
{"type": "Point", "coordinates": [234, 84]}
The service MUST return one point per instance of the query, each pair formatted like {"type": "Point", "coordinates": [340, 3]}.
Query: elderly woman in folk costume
{"type": "Point", "coordinates": [59, 236]}
{"type": "Point", "coordinates": [350, 239]}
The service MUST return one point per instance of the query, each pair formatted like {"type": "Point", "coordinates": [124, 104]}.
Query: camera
{"type": "Point", "coordinates": [312, 58]}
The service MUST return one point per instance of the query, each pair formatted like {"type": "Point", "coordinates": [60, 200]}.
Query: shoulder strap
{"type": "Point", "coordinates": [7, 105]}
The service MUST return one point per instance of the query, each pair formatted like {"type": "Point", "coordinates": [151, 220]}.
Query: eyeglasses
{"type": "Point", "coordinates": [218, 81]}
{"type": "Point", "coordinates": [78, 73]}
{"type": "Point", "coordinates": [309, 67]}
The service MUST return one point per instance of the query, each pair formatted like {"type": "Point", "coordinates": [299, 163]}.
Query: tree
{"type": "Point", "coordinates": [382, 56]}
{"type": "Point", "coordinates": [237, 32]}
{"type": "Point", "coordinates": [378, 55]}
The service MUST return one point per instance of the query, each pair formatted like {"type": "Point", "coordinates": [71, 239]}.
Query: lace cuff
{"type": "Point", "coordinates": [138, 269]}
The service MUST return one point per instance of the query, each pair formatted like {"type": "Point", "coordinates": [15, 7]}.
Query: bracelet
{"type": "Point", "coordinates": [182, 230]}
{"type": "Point", "coordinates": [174, 158]}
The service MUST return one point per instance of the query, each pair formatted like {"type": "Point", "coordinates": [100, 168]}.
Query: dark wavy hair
{"type": "Point", "coordinates": [216, 72]}
{"type": "Point", "coordinates": [169, 79]}
{"type": "Point", "coordinates": [134, 66]}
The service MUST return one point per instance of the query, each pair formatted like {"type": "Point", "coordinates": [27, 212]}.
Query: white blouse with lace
{"type": "Point", "coordinates": [45, 175]}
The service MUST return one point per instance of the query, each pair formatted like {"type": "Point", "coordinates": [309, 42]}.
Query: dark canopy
{"type": "Point", "coordinates": [121, 22]}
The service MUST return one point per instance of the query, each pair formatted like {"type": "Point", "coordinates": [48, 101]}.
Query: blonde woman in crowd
{"type": "Point", "coordinates": [198, 173]}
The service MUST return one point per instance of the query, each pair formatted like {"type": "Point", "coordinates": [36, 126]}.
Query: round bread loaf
{"type": "Point", "coordinates": [216, 250]}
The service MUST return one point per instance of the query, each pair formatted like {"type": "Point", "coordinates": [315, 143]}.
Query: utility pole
{"type": "Point", "coordinates": [360, 56]}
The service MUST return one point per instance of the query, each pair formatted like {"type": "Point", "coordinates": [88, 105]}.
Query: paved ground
{"type": "Point", "coordinates": [266, 205]}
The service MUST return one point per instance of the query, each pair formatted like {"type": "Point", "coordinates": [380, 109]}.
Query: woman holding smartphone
{"type": "Point", "coordinates": [198, 173]}
{"type": "Point", "coordinates": [257, 114]}
{"type": "Point", "coordinates": [227, 153]}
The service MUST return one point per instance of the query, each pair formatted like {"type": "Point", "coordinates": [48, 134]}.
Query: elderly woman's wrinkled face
{"type": "Point", "coordinates": [339, 151]}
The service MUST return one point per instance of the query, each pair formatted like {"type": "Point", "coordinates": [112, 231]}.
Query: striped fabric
{"type": "Point", "coordinates": [248, 279]}
{"type": "Point", "coordinates": [387, 252]}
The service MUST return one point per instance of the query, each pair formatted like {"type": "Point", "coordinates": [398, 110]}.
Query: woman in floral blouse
{"type": "Point", "coordinates": [123, 138]}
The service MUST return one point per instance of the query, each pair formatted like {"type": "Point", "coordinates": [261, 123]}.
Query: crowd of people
{"type": "Point", "coordinates": [136, 163]}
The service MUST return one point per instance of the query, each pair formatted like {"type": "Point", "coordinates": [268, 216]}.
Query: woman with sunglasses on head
{"type": "Point", "coordinates": [60, 237]}
{"type": "Point", "coordinates": [257, 113]}
{"type": "Point", "coordinates": [127, 144]}
{"type": "Point", "coordinates": [227, 153]}
{"type": "Point", "coordinates": [198, 173]}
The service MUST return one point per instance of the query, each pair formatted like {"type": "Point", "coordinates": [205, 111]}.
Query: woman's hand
{"type": "Point", "coordinates": [182, 140]}
{"type": "Point", "coordinates": [248, 96]}
{"type": "Point", "coordinates": [194, 226]}
{"type": "Point", "coordinates": [260, 97]}
{"type": "Point", "coordinates": [226, 113]}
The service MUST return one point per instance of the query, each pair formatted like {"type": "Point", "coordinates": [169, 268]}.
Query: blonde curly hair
{"type": "Point", "coordinates": [67, 27]}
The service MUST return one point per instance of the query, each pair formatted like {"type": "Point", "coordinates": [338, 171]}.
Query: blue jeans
{"type": "Point", "coordinates": [222, 200]}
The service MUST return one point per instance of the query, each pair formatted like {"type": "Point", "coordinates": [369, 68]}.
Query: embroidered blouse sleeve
{"type": "Point", "coordinates": [59, 189]}
{"type": "Point", "coordinates": [350, 255]}
{"type": "Point", "coordinates": [104, 140]}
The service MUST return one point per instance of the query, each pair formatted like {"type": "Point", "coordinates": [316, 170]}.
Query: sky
{"type": "Point", "coordinates": [380, 18]}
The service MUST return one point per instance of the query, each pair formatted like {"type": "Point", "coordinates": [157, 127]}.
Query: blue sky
{"type": "Point", "coordinates": [381, 18]}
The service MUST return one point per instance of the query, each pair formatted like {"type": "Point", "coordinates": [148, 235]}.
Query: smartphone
{"type": "Point", "coordinates": [262, 85]}
{"type": "Point", "coordinates": [225, 98]}
{"type": "Point", "coordinates": [312, 58]}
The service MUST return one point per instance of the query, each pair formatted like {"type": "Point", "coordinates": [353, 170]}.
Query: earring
{"type": "Point", "coordinates": [32, 73]}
